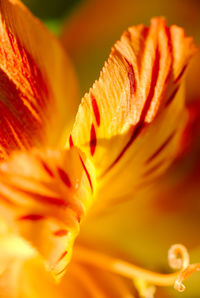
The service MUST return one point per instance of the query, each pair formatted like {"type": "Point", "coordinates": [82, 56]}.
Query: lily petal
{"type": "Point", "coordinates": [98, 283]}
{"type": "Point", "coordinates": [20, 279]}
{"type": "Point", "coordinates": [37, 84]}
{"type": "Point", "coordinates": [131, 121]}
{"type": "Point", "coordinates": [44, 197]}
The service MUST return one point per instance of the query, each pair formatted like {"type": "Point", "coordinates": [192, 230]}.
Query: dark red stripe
{"type": "Point", "coordinates": [131, 77]}
{"type": "Point", "coordinates": [95, 109]}
{"type": "Point", "coordinates": [87, 174]}
{"type": "Point", "coordinates": [6, 200]}
{"type": "Point", "coordinates": [71, 144]}
{"type": "Point", "coordinates": [42, 198]}
{"type": "Point", "coordinates": [147, 104]}
{"type": "Point", "coordinates": [160, 149]}
{"type": "Point", "coordinates": [180, 74]}
{"type": "Point", "coordinates": [21, 70]}
{"type": "Point", "coordinates": [49, 200]}
{"type": "Point", "coordinates": [93, 140]}
{"type": "Point", "coordinates": [60, 233]}
{"type": "Point", "coordinates": [60, 272]}
{"type": "Point", "coordinates": [78, 217]}
{"type": "Point", "coordinates": [62, 256]}
{"type": "Point", "coordinates": [32, 217]}
{"type": "Point", "coordinates": [133, 137]}
{"type": "Point", "coordinates": [172, 96]}
{"type": "Point", "coordinates": [153, 169]}
{"type": "Point", "coordinates": [47, 169]}
{"type": "Point", "coordinates": [64, 177]}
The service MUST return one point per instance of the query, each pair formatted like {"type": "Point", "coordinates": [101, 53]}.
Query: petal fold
{"type": "Point", "coordinates": [131, 121]}
{"type": "Point", "coordinates": [37, 83]}
{"type": "Point", "coordinates": [44, 197]}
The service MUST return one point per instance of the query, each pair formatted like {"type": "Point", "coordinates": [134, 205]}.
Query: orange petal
{"type": "Point", "coordinates": [98, 283]}
{"type": "Point", "coordinates": [44, 197]}
{"type": "Point", "coordinates": [37, 84]}
{"type": "Point", "coordinates": [130, 123]}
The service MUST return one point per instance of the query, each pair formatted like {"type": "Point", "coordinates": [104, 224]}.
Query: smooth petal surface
{"type": "Point", "coordinates": [38, 93]}
{"type": "Point", "coordinates": [11, 260]}
{"type": "Point", "coordinates": [20, 269]}
{"type": "Point", "coordinates": [131, 121]}
{"type": "Point", "coordinates": [192, 81]}
{"type": "Point", "coordinates": [44, 197]}
{"type": "Point", "coordinates": [20, 279]}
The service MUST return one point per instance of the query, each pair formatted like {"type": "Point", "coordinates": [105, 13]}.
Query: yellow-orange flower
{"type": "Point", "coordinates": [127, 132]}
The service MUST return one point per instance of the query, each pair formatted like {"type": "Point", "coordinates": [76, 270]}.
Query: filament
{"type": "Point", "coordinates": [177, 255]}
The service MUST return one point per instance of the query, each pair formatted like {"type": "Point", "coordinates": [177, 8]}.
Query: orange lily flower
{"type": "Point", "coordinates": [127, 132]}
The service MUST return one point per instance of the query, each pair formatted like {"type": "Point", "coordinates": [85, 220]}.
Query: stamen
{"type": "Point", "coordinates": [190, 269]}
{"type": "Point", "coordinates": [178, 258]}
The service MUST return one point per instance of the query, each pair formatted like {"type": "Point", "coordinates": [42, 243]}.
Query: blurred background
{"type": "Point", "coordinates": [88, 29]}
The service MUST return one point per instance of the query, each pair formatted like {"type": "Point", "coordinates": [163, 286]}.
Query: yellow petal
{"type": "Point", "coordinates": [20, 269]}
{"type": "Point", "coordinates": [10, 263]}
{"type": "Point", "coordinates": [37, 86]}
{"type": "Point", "coordinates": [131, 121]}
{"type": "Point", "coordinates": [44, 197]}
{"type": "Point", "coordinates": [20, 277]}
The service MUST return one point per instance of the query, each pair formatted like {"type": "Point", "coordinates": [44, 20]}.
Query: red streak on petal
{"type": "Point", "coordinates": [64, 177]}
{"type": "Point", "coordinates": [160, 149]}
{"type": "Point", "coordinates": [131, 77]}
{"type": "Point", "coordinates": [49, 200]}
{"type": "Point", "coordinates": [141, 123]}
{"type": "Point", "coordinates": [172, 96]}
{"type": "Point", "coordinates": [63, 255]}
{"type": "Point", "coordinates": [21, 80]}
{"type": "Point", "coordinates": [71, 144]}
{"type": "Point", "coordinates": [180, 74]}
{"type": "Point", "coordinates": [153, 169]}
{"type": "Point", "coordinates": [60, 233]}
{"type": "Point", "coordinates": [7, 200]}
{"type": "Point", "coordinates": [87, 173]}
{"type": "Point", "coordinates": [95, 109]}
{"type": "Point", "coordinates": [135, 133]}
{"type": "Point", "coordinates": [32, 217]}
{"type": "Point", "coordinates": [42, 198]}
{"type": "Point", "coordinates": [47, 169]}
{"type": "Point", "coordinates": [63, 270]}
{"type": "Point", "coordinates": [78, 218]}
{"type": "Point", "coordinates": [93, 140]}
